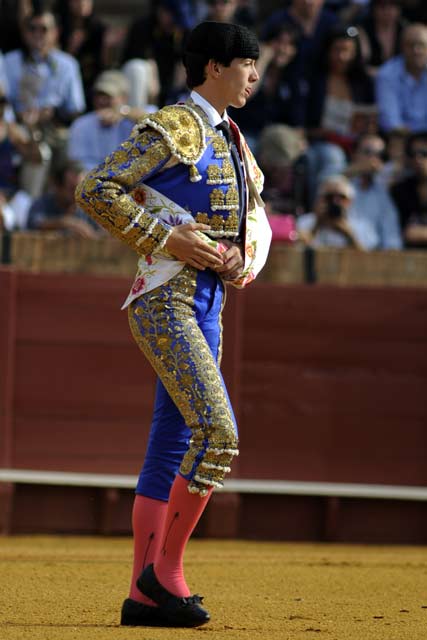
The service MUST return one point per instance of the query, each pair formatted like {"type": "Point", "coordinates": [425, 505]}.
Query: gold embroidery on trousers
{"type": "Point", "coordinates": [165, 328]}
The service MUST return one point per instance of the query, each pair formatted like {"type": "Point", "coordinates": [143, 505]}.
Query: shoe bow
{"type": "Point", "coordinates": [196, 599]}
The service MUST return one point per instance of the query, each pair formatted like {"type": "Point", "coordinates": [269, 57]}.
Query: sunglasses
{"type": "Point", "coordinates": [368, 151]}
{"type": "Point", "coordinates": [212, 2]}
{"type": "Point", "coordinates": [40, 28]}
{"type": "Point", "coordinates": [418, 153]}
{"type": "Point", "coordinates": [335, 195]}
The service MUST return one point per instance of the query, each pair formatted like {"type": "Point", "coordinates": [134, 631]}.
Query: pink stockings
{"type": "Point", "coordinates": [161, 531]}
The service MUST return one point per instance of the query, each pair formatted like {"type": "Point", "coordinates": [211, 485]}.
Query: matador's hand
{"type": "Point", "coordinates": [233, 261]}
{"type": "Point", "coordinates": [187, 246]}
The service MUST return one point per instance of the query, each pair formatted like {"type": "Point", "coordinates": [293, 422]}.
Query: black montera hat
{"type": "Point", "coordinates": [222, 41]}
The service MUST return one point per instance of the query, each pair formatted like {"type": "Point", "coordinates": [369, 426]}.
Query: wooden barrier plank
{"type": "Point", "coordinates": [7, 360]}
{"type": "Point", "coordinates": [7, 381]}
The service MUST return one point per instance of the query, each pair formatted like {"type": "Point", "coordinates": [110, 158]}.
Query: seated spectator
{"type": "Point", "coordinates": [44, 83]}
{"type": "Point", "coordinates": [330, 224]}
{"type": "Point", "coordinates": [312, 22]}
{"type": "Point", "coordinates": [56, 210]}
{"type": "Point", "coordinates": [275, 96]}
{"type": "Point", "coordinates": [144, 84]}
{"type": "Point", "coordinates": [380, 33]}
{"type": "Point", "coordinates": [372, 202]}
{"type": "Point", "coordinates": [16, 148]}
{"type": "Point", "coordinates": [3, 76]}
{"type": "Point", "coordinates": [402, 84]}
{"type": "Point", "coordinates": [340, 91]}
{"type": "Point", "coordinates": [83, 35]}
{"type": "Point", "coordinates": [340, 105]}
{"type": "Point", "coordinates": [280, 154]}
{"type": "Point", "coordinates": [160, 37]}
{"type": "Point", "coordinates": [410, 193]}
{"type": "Point", "coordinates": [395, 167]}
{"type": "Point", "coordinates": [96, 134]}
{"type": "Point", "coordinates": [8, 112]}
{"type": "Point", "coordinates": [45, 86]}
{"type": "Point", "coordinates": [230, 11]}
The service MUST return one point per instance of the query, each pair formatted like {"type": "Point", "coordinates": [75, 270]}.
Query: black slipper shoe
{"type": "Point", "coordinates": [179, 611]}
{"type": "Point", "coordinates": [137, 614]}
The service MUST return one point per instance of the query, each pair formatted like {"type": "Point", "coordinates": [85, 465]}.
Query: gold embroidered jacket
{"type": "Point", "coordinates": [176, 152]}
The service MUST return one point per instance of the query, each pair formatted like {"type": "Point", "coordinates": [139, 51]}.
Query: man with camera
{"type": "Point", "coordinates": [330, 224]}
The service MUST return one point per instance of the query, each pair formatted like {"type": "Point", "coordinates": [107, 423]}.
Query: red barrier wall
{"type": "Point", "coordinates": [329, 384]}
{"type": "Point", "coordinates": [336, 380]}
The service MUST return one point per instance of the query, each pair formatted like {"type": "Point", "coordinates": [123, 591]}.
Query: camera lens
{"type": "Point", "coordinates": [334, 210]}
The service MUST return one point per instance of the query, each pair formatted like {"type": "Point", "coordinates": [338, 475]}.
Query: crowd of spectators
{"type": "Point", "coordinates": [337, 120]}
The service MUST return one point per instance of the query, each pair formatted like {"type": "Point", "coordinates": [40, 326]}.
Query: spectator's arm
{"type": "Point", "coordinates": [354, 236]}
{"type": "Point", "coordinates": [415, 234]}
{"type": "Point", "coordinates": [24, 142]}
{"type": "Point", "coordinates": [69, 223]}
{"type": "Point", "coordinates": [391, 236]}
{"type": "Point", "coordinates": [74, 102]}
{"type": "Point", "coordinates": [77, 147]}
{"type": "Point", "coordinates": [388, 101]}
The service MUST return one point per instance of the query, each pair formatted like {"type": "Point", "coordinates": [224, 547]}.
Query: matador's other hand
{"type": "Point", "coordinates": [187, 246]}
{"type": "Point", "coordinates": [233, 261]}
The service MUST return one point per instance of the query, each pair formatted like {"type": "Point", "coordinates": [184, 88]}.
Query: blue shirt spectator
{"type": "Point", "coordinates": [90, 141]}
{"type": "Point", "coordinates": [3, 76]}
{"type": "Point", "coordinates": [373, 204]}
{"type": "Point", "coordinates": [40, 76]}
{"type": "Point", "coordinates": [372, 201]}
{"type": "Point", "coordinates": [401, 84]}
{"type": "Point", "coordinates": [93, 136]}
{"type": "Point", "coordinates": [56, 80]}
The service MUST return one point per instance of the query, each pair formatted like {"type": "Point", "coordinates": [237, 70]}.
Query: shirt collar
{"type": "Point", "coordinates": [212, 114]}
{"type": "Point", "coordinates": [408, 77]}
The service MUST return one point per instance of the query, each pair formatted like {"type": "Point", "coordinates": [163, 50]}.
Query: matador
{"type": "Point", "coordinates": [184, 192]}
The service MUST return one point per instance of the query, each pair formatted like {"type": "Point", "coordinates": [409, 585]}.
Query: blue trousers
{"type": "Point", "coordinates": [178, 327]}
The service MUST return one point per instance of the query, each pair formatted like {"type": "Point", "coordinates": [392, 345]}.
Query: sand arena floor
{"type": "Point", "coordinates": [71, 588]}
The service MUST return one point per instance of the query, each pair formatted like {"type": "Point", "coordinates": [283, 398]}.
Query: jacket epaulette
{"type": "Point", "coordinates": [182, 129]}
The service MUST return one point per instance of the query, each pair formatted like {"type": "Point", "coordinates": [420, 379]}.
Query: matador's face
{"type": "Point", "coordinates": [237, 81]}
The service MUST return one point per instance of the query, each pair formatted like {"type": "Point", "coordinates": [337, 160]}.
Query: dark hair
{"type": "Point", "coordinates": [376, 2]}
{"type": "Point", "coordinates": [219, 41]}
{"type": "Point", "coordinates": [412, 138]}
{"type": "Point", "coordinates": [279, 29]}
{"type": "Point", "coordinates": [357, 68]}
{"type": "Point", "coordinates": [195, 69]}
{"type": "Point", "coordinates": [39, 9]}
